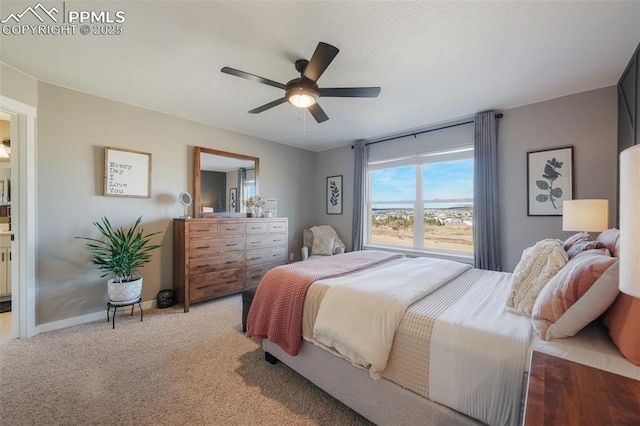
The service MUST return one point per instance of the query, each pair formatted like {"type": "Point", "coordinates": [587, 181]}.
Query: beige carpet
{"type": "Point", "coordinates": [172, 368]}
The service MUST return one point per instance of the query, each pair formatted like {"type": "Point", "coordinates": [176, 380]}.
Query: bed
{"type": "Point", "coordinates": [411, 340]}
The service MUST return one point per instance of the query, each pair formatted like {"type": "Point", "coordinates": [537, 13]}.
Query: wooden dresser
{"type": "Point", "coordinates": [214, 257]}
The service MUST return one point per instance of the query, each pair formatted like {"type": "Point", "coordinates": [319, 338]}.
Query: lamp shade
{"type": "Point", "coordinates": [585, 215]}
{"type": "Point", "coordinates": [629, 221]}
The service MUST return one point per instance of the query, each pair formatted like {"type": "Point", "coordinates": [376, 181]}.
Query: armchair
{"type": "Point", "coordinates": [321, 241]}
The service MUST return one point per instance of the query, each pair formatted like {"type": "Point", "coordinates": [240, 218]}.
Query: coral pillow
{"type": "Point", "coordinates": [611, 240]}
{"type": "Point", "coordinates": [623, 322]}
{"type": "Point", "coordinates": [576, 295]}
{"type": "Point", "coordinates": [536, 267]}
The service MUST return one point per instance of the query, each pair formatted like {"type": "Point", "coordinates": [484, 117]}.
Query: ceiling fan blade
{"type": "Point", "coordinates": [320, 60]}
{"type": "Point", "coordinates": [350, 92]}
{"type": "Point", "coordinates": [318, 113]}
{"type": "Point", "coordinates": [242, 74]}
{"type": "Point", "coordinates": [267, 106]}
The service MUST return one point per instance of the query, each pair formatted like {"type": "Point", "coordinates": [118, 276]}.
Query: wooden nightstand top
{"type": "Point", "coordinates": [563, 392]}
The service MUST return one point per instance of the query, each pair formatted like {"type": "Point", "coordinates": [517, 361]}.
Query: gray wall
{"type": "Point", "coordinates": [338, 161]}
{"type": "Point", "coordinates": [73, 129]}
{"type": "Point", "coordinates": [588, 121]}
{"type": "Point", "coordinates": [585, 120]}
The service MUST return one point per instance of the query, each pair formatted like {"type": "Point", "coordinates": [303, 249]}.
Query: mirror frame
{"type": "Point", "coordinates": [196, 179]}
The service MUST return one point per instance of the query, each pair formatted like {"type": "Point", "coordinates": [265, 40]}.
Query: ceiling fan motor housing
{"type": "Point", "coordinates": [301, 65]}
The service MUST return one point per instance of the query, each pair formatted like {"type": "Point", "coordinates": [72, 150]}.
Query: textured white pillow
{"type": "Point", "coordinates": [536, 267]}
{"type": "Point", "coordinates": [323, 245]}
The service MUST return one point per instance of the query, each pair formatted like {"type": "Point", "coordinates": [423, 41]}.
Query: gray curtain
{"type": "Point", "coordinates": [359, 179]}
{"type": "Point", "coordinates": [240, 195]}
{"type": "Point", "coordinates": [486, 223]}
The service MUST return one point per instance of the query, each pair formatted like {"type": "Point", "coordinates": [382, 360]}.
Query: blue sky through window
{"type": "Point", "coordinates": [442, 180]}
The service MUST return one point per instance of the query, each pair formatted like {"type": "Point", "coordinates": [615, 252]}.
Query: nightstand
{"type": "Point", "coordinates": [562, 392]}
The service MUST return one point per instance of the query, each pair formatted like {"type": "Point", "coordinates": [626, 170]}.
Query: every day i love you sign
{"type": "Point", "coordinates": [127, 173]}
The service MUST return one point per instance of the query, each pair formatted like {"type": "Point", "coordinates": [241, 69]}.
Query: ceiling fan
{"type": "Point", "coordinates": [304, 92]}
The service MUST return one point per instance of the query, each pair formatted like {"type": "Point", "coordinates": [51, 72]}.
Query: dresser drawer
{"type": "Point", "coordinates": [276, 227]}
{"type": "Point", "coordinates": [203, 265]}
{"type": "Point", "coordinates": [203, 230]}
{"type": "Point", "coordinates": [255, 273]}
{"type": "Point", "coordinates": [263, 241]}
{"type": "Point", "coordinates": [213, 284]}
{"type": "Point", "coordinates": [228, 229]}
{"type": "Point", "coordinates": [272, 255]}
{"type": "Point", "coordinates": [206, 247]}
{"type": "Point", "coordinates": [256, 227]}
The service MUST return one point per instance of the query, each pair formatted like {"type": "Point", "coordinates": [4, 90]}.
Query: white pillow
{"type": "Point", "coordinates": [323, 245]}
{"type": "Point", "coordinates": [536, 267]}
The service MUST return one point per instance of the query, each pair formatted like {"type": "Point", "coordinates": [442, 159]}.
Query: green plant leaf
{"type": "Point", "coordinates": [120, 254]}
{"type": "Point", "coordinates": [542, 198]}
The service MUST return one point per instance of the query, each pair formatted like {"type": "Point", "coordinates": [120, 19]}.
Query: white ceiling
{"type": "Point", "coordinates": [435, 61]}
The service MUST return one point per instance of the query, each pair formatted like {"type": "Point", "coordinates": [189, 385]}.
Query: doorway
{"type": "Point", "coordinates": [5, 227]}
{"type": "Point", "coordinates": [19, 203]}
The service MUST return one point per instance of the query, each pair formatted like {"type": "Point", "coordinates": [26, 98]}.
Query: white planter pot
{"type": "Point", "coordinates": [125, 292]}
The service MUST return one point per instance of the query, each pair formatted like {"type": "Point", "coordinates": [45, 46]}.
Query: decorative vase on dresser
{"type": "Point", "coordinates": [215, 257]}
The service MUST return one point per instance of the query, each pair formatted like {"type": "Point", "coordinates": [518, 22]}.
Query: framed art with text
{"type": "Point", "coordinates": [334, 194]}
{"type": "Point", "coordinates": [127, 173]}
{"type": "Point", "coordinates": [549, 180]}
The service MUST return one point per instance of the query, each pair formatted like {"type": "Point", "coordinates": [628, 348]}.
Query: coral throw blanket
{"type": "Point", "coordinates": [276, 310]}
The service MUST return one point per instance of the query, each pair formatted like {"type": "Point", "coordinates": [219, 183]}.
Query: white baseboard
{"type": "Point", "coordinates": [83, 319]}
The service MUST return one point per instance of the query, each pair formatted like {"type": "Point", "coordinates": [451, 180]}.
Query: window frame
{"type": "Point", "coordinates": [462, 152]}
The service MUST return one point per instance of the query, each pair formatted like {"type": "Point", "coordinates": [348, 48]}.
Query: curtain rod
{"type": "Point", "coordinates": [414, 134]}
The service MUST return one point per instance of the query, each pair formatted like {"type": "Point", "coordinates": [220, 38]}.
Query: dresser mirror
{"type": "Point", "coordinates": [222, 181]}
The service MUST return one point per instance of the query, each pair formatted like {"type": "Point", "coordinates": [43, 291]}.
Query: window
{"type": "Point", "coordinates": [422, 201]}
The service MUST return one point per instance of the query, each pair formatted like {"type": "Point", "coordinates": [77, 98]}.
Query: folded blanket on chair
{"type": "Point", "coordinates": [326, 231]}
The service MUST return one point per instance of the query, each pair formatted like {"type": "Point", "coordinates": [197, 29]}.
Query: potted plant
{"type": "Point", "coordinates": [120, 254]}
{"type": "Point", "coordinates": [255, 204]}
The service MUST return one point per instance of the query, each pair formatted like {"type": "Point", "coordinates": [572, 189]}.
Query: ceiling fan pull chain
{"type": "Point", "coordinates": [304, 122]}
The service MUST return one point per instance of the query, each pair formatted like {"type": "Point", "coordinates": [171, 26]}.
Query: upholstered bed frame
{"type": "Point", "coordinates": [381, 401]}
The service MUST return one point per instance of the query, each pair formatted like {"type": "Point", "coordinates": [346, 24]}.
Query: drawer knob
{"type": "Point", "coordinates": [202, 247]}
{"type": "Point", "coordinates": [231, 281]}
{"type": "Point", "coordinates": [256, 258]}
{"type": "Point", "coordinates": [232, 245]}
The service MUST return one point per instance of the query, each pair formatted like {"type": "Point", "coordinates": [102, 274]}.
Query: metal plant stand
{"type": "Point", "coordinates": [116, 305]}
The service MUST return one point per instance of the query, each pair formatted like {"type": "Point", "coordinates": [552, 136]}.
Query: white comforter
{"type": "Point", "coordinates": [360, 313]}
{"type": "Point", "coordinates": [479, 353]}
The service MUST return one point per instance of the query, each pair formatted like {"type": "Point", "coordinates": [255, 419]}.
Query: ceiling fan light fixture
{"type": "Point", "coordinates": [302, 98]}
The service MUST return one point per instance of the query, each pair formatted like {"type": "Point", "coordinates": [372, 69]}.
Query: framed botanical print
{"type": "Point", "coordinates": [334, 194]}
{"type": "Point", "coordinates": [549, 180]}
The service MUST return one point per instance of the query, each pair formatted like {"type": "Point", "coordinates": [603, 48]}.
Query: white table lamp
{"type": "Point", "coordinates": [585, 215]}
{"type": "Point", "coordinates": [630, 221]}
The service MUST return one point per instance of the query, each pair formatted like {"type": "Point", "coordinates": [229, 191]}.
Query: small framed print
{"type": "Point", "coordinates": [549, 180]}
{"type": "Point", "coordinates": [233, 199]}
{"type": "Point", "coordinates": [334, 194]}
